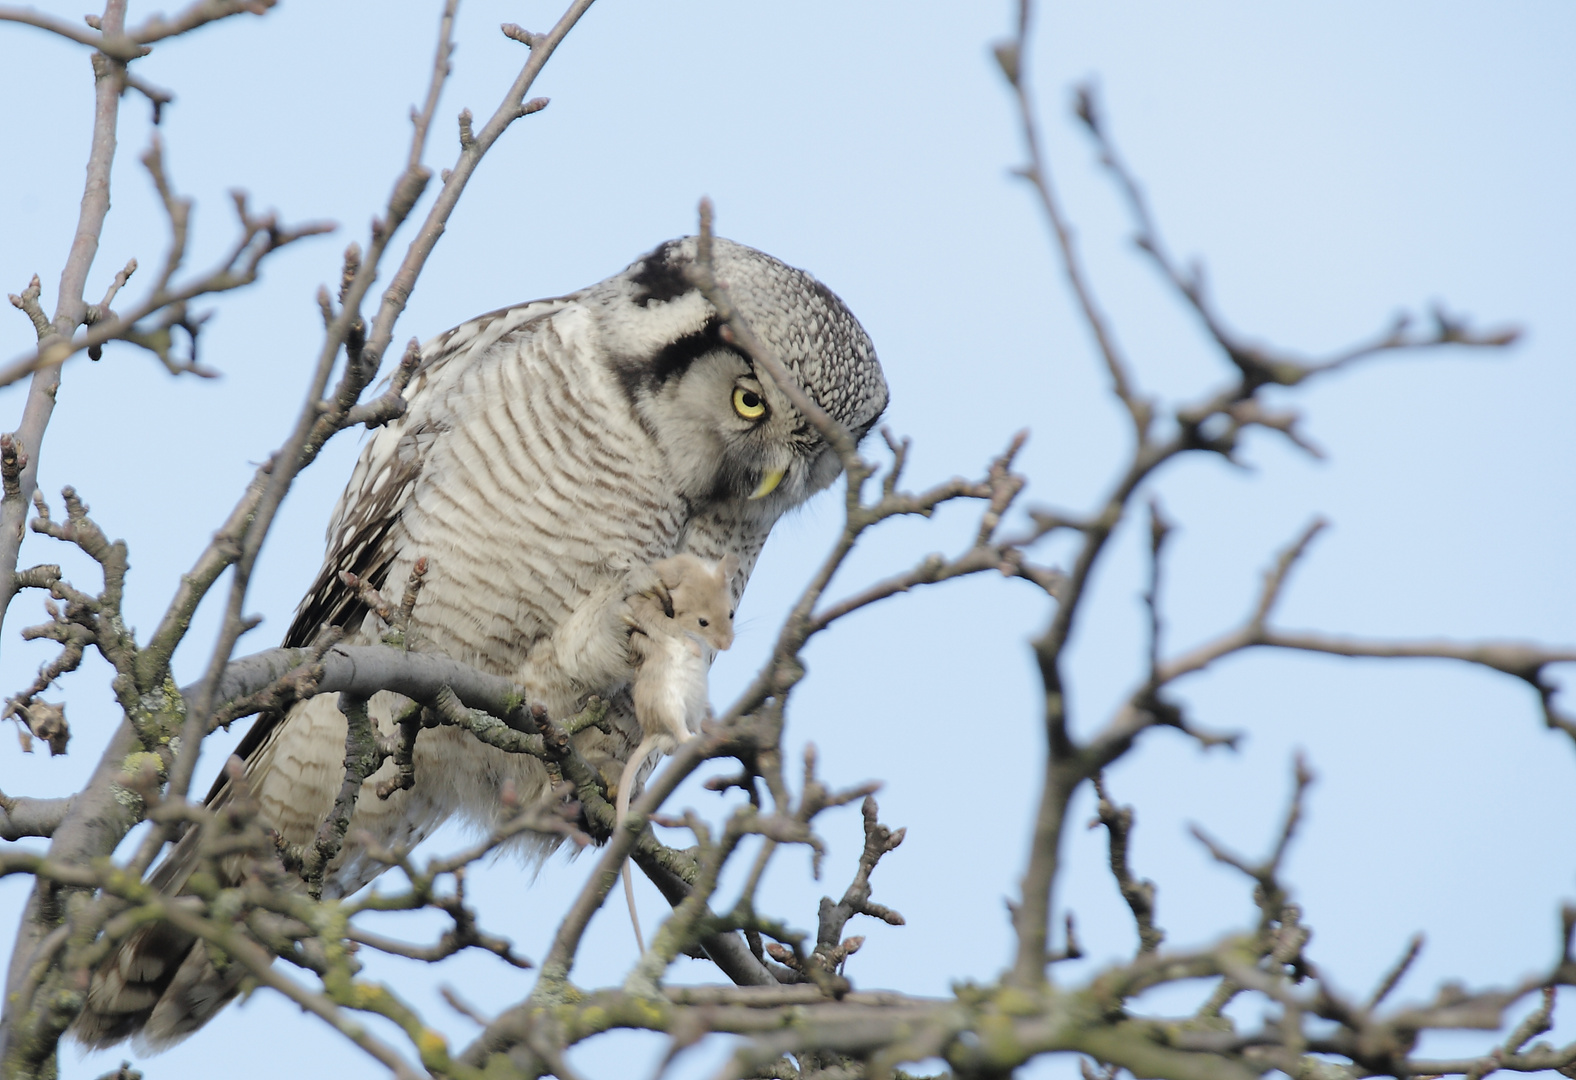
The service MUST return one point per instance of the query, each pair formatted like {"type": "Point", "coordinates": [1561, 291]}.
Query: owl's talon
{"type": "Point", "coordinates": [644, 581]}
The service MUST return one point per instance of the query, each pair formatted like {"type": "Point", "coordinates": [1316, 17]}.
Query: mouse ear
{"type": "Point", "coordinates": [729, 567]}
{"type": "Point", "coordinates": [673, 571]}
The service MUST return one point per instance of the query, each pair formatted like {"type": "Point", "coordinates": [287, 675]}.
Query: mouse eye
{"type": "Point", "coordinates": [703, 622]}
{"type": "Point", "coordinates": [730, 614]}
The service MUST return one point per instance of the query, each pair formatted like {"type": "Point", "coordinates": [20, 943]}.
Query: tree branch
{"type": "Point", "coordinates": [24, 817]}
{"type": "Point", "coordinates": [70, 310]}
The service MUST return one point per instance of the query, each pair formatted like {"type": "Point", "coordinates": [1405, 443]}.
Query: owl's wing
{"type": "Point", "coordinates": [364, 534]}
{"type": "Point", "coordinates": [361, 531]}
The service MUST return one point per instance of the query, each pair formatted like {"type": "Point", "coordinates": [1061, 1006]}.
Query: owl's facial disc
{"type": "Point", "coordinates": [749, 402]}
{"type": "Point", "coordinates": [727, 435]}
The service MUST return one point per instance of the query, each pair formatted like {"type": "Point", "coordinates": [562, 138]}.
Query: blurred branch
{"type": "Point", "coordinates": [1212, 424]}
{"type": "Point", "coordinates": [157, 96]}
{"type": "Point", "coordinates": [1266, 873]}
{"type": "Point", "coordinates": [879, 839]}
{"type": "Point", "coordinates": [112, 41]}
{"type": "Point", "coordinates": [1394, 976]}
{"type": "Point", "coordinates": [158, 27]}
{"type": "Point", "coordinates": [1139, 894]}
{"type": "Point", "coordinates": [24, 817]}
{"type": "Point", "coordinates": [109, 36]}
{"type": "Point", "coordinates": [260, 236]}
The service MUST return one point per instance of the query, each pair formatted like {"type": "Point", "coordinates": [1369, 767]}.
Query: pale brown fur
{"type": "Point", "coordinates": [667, 648]}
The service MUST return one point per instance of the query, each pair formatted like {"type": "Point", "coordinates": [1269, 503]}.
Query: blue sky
{"type": "Point", "coordinates": [1329, 164]}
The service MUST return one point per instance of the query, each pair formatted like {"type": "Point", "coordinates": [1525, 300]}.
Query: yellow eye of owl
{"type": "Point", "coordinates": [748, 404]}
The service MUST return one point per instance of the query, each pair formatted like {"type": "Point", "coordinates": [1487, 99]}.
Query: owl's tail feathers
{"type": "Point", "coordinates": [160, 984]}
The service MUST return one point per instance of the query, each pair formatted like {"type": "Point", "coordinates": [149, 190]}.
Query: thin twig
{"type": "Point", "coordinates": [703, 274]}
{"type": "Point", "coordinates": [1139, 894]}
{"type": "Point", "coordinates": [1012, 56]}
{"type": "Point", "coordinates": [70, 310]}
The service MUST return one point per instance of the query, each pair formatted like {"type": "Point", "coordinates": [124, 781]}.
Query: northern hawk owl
{"type": "Point", "coordinates": [546, 449]}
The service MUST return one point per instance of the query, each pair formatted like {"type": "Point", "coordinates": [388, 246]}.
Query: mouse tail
{"type": "Point", "coordinates": [621, 804]}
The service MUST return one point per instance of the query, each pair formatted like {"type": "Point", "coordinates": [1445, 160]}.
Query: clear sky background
{"type": "Point", "coordinates": [1330, 164]}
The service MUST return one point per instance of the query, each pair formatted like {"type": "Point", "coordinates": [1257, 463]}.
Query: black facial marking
{"type": "Point", "coordinates": [659, 278]}
{"type": "Point", "coordinates": [671, 361]}
{"type": "Point", "coordinates": [675, 358]}
{"type": "Point", "coordinates": [731, 482]}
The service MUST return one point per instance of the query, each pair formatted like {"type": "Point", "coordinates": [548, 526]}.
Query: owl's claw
{"type": "Point", "coordinates": [645, 581]}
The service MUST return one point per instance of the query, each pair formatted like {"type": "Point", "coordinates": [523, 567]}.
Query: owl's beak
{"type": "Point", "coordinates": [769, 481]}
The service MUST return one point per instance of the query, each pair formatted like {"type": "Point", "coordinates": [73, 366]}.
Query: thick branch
{"type": "Point", "coordinates": [23, 817]}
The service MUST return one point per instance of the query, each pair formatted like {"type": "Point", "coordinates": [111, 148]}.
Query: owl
{"type": "Point", "coordinates": [548, 451]}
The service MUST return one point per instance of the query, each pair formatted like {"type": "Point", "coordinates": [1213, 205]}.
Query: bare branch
{"type": "Point", "coordinates": [1140, 895]}
{"type": "Point", "coordinates": [1394, 976]}
{"type": "Point", "coordinates": [24, 817]}
{"type": "Point", "coordinates": [70, 311]}
{"type": "Point", "coordinates": [198, 14]}
{"type": "Point", "coordinates": [157, 96]}
{"type": "Point", "coordinates": [1159, 530]}
{"type": "Point", "coordinates": [27, 303]}
{"type": "Point", "coordinates": [1261, 364]}
{"type": "Point", "coordinates": [112, 43]}
{"type": "Point", "coordinates": [1271, 895]}
{"type": "Point", "coordinates": [259, 237]}
{"type": "Point", "coordinates": [100, 311]}
{"type": "Point", "coordinates": [463, 1007]}
{"type": "Point", "coordinates": [1011, 55]}
{"type": "Point", "coordinates": [514, 32]}
{"type": "Point", "coordinates": [456, 177]}
{"type": "Point", "coordinates": [452, 942]}
{"type": "Point", "coordinates": [879, 840]}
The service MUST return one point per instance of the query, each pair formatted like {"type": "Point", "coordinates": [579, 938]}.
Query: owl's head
{"type": "Point", "coordinates": [729, 434]}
